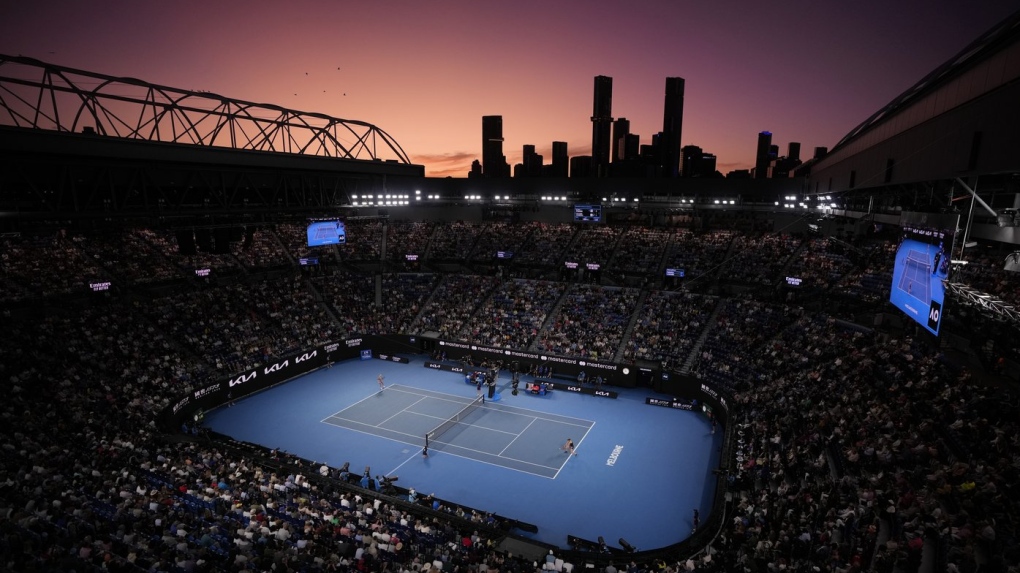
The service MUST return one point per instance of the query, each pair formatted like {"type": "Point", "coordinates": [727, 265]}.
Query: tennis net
{"type": "Point", "coordinates": [438, 430]}
{"type": "Point", "coordinates": [920, 260]}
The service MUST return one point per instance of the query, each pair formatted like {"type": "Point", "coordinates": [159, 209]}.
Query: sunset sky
{"type": "Point", "coordinates": [426, 72]}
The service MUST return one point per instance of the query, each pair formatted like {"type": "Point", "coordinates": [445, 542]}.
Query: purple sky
{"type": "Point", "coordinates": [426, 72]}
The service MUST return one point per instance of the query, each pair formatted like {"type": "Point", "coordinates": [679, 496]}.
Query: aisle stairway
{"type": "Point", "coordinates": [709, 324]}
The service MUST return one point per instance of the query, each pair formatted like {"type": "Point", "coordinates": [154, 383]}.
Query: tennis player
{"type": "Point", "coordinates": [569, 447]}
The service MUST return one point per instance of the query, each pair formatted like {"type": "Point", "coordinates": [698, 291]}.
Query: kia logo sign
{"type": "Point", "coordinates": [243, 378]}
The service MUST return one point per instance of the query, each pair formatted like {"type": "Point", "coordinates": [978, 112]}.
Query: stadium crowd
{"type": "Point", "coordinates": [855, 451]}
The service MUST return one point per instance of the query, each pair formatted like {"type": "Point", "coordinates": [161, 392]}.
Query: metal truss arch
{"type": "Point", "coordinates": [39, 95]}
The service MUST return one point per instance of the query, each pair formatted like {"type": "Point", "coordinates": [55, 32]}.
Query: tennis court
{"type": "Point", "coordinates": [916, 278]}
{"type": "Point", "coordinates": [493, 433]}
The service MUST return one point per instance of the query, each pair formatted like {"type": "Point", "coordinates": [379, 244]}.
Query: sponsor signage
{"type": "Point", "coordinates": [451, 367]}
{"type": "Point", "coordinates": [207, 390]}
{"type": "Point", "coordinates": [613, 373]}
{"type": "Point", "coordinates": [99, 287]}
{"type": "Point", "coordinates": [202, 272]}
{"type": "Point", "coordinates": [366, 354]}
{"type": "Point", "coordinates": [580, 389]}
{"type": "Point", "coordinates": [249, 381]}
{"type": "Point", "coordinates": [672, 403]}
{"type": "Point", "coordinates": [392, 358]}
{"type": "Point", "coordinates": [181, 404]}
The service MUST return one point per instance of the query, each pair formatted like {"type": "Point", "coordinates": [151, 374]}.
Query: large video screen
{"type": "Point", "coordinates": [922, 264]}
{"type": "Point", "coordinates": [587, 213]}
{"type": "Point", "coordinates": [326, 233]}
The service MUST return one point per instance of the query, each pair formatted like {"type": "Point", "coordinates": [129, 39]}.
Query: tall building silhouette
{"type": "Point", "coordinates": [761, 157]}
{"type": "Point", "coordinates": [632, 146]}
{"type": "Point", "coordinates": [493, 161]}
{"type": "Point", "coordinates": [672, 127]}
{"type": "Point", "coordinates": [793, 151]}
{"type": "Point", "coordinates": [531, 162]}
{"type": "Point", "coordinates": [560, 160]}
{"type": "Point", "coordinates": [580, 166]}
{"type": "Point", "coordinates": [601, 126]}
{"type": "Point", "coordinates": [621, 129]}
{"type": "Point", "coordinates": [691, 160]}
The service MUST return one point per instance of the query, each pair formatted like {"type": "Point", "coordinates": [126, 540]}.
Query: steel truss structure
{"type": "Point", "coordinates": [39, 95]}
{"type": "Point", "coordinates": [987, 303]}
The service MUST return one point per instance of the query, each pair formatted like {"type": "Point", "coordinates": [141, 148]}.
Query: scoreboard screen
{"type": "Point", "coordinates": [587, 213]}
{"type": "Point", "coordinates": [922, 265]}
{"type": "Point", "coordinates": [326, 233]}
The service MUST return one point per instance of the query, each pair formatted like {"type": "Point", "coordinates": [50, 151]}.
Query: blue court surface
{"type": "Point", "coordinates": [916, 277]}
{"type": "Point", "coordinates": [494, 433]}
{"type": "Point", "coordinates": [638, 474]}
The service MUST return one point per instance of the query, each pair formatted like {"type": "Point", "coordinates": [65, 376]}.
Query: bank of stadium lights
{"type": "Point", "coordinates": [725, 202]}
{"type": "Point", "coordinates": [825, 202]}
{"type": "Point", "coordinates": [553, 198]}
{"type": "Point", "coordinates": [390, 199]}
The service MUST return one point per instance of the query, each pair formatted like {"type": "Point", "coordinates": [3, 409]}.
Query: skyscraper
{"type": "Point", "coordinates": [532, 162]}
{"type": "Point", "coordinates": [560, 160]}
{"type": "Point", "coordinates": [761, 157]}
{"type": "Point", "coordinates": [691, 160]}
{"type": "Point", "coordinates": [493, 162]}
{"type": "Point", "coordinates": [601, 126]}
{"type": "Point", "coordinates": [672, 127]}
{"type": "Point", "coordinates": [621, 129]}
{"type": "Point", "coordinates": [793, 153]}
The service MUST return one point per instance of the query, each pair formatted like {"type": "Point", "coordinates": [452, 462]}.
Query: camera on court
{"type": "Point", "coordinates": [386, 483]}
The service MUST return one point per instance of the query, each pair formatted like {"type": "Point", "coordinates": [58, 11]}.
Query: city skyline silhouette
{"type": "Point", "coordinates": [427, 74]}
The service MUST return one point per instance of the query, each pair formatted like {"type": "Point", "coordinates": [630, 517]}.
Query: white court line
{"type": "Point", "coordinates": [453, 445]}
{"type": "Point", "coordinates": [438, 397]}
{"type": "Point", "coordinates": [498, 465]}
{"type": "Point", "coordinates": [400, 412]}
{"type": "Point", "coordinates": [533, 417]}
{"type": "Point", "coordinates": [576, 446]}
{"type": "Point", "coordinates": [502, 407]}
{"type": "Point", "coordinates": [373, 395]}
{"type": "Point", "coordinates": [377, 435]}
{"type": "Point", "coordinates": [518, 435]}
